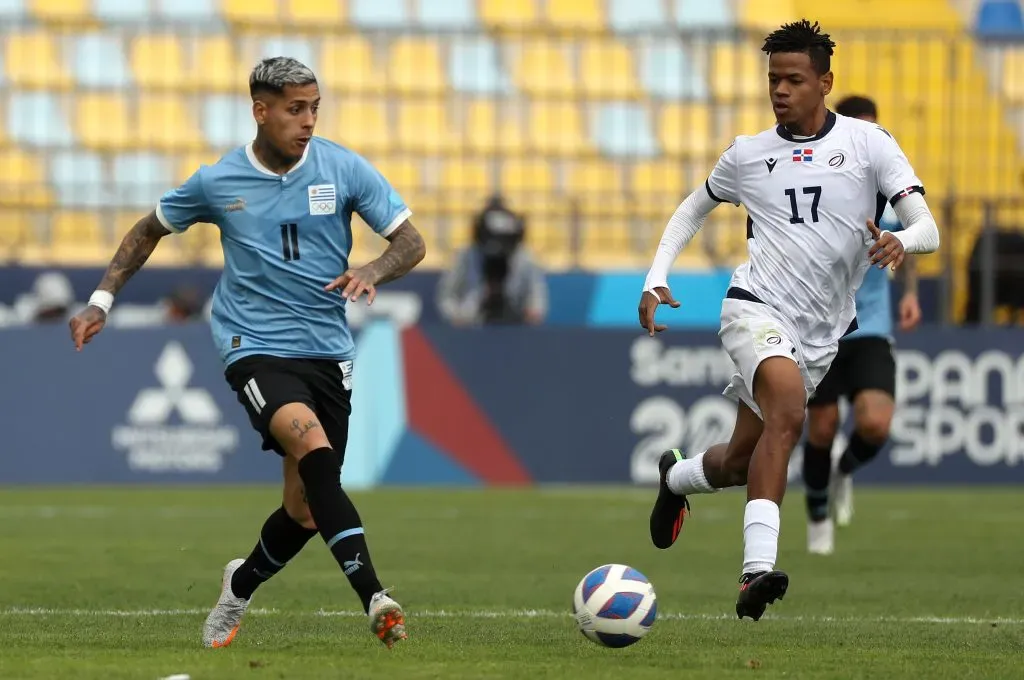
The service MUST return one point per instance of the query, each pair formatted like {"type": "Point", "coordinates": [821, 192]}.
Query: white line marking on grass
{"type": "Point", "coordinates": [504, 614]}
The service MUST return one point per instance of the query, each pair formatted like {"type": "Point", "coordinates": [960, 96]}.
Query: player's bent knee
{"type": "Point", "coordinates": [873, 416]}
{"type": "Point", "coordinates": [298, 430]}
{"type": "Point", "coordinates": [301, 515]}
{"type": "Point", "coordinates": [822, 424]}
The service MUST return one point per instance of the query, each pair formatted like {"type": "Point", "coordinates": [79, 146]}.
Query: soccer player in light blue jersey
{"type": "Point", "coordinates": [864, 372]}
{"type": "Point", "coordinates": [283, 204]}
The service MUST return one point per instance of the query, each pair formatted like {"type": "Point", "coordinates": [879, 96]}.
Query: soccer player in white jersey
{"type": "Point", "coordinates": [283, 205]}
{"type": "Point", "coordinates": [863, 372]}
{"type": "Point", "coordinates": [814, 188]}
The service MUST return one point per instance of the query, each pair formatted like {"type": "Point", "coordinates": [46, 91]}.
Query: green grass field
{"type": "Point", "coordinates": [116, 584]}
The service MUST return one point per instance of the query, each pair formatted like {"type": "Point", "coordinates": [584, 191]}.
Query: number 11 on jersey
{"type": "Point", "coordinates": [795, 209]}
{"type": "Point", "coordinates": [290, 241]}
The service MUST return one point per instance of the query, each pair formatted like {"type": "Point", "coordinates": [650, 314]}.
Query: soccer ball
{"type": "Point", "coordinates": [614, 605]}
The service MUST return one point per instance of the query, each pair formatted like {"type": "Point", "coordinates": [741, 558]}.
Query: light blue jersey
{"type": "Point", "coordinates": [284, 237]}
{"type": "Point", "coordinates": [874, 300]}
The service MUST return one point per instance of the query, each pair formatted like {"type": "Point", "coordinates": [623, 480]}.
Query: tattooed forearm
{"type": "Point", "coordinates": [405, 250]}
{"type": "Point", "coordinates": [301, 429]}
{"type": "Point", "coordinates": [136, 247]}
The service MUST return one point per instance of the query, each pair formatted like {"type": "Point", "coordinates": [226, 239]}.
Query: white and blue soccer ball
{"type": "Point", "coordinates": [615, 605]}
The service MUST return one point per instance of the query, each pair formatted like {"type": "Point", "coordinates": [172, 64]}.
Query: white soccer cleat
{"type": "Point", "coordinates": [223, 622]}
{"type": "Point", "coordinates": [842, 498]}
{"type": "Point", "coordinates": [387, 620]}
{"type": "Point", "coordinates": [820, 537]}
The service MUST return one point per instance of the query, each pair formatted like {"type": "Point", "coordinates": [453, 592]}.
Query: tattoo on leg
{"type": "Point", "coordinates": [311, 424]}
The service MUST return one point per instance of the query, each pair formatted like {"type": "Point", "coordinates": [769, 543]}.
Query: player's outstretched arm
{"type": "Point", "coordinates": [683, 225]}
{"type": "Point", "coordinates": [405, 250]}
{"type": "Point", "coordinates": [136, 247]}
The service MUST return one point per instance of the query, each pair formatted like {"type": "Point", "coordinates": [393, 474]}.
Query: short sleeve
{"type": "Point", "coordinates": [375, 200]}
{"type": "Point", "coordinates": [893, 173]}
{"type": "Point", "coordinates": [180, 208]}
{"type": "Point", "coordinates": [722, 184]}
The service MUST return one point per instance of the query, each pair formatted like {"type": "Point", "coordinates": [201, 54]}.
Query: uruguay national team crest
{"type": "Point", "coordinates": [803, 155]}
{"type": "Point", "coordinates": [322, 199]}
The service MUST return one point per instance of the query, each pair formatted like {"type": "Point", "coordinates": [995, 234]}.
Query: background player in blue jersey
{"type": "Point", "coordinates": [864, 372]}
{"type": "Point", "coordinates": [283, 204]}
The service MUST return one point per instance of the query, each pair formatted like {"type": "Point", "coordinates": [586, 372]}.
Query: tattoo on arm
{"type": "Point", "coordinates": [136, 247]}
{"type": "Point", "coordinates": [301, 429]}
{"type": "Point", "coordinates": [405, 250]}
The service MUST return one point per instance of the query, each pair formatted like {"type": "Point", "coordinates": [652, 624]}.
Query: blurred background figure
{"type": "Point", "coordinates": [494, 280]}
{"type": "Point", "coordinates": [52, 298]}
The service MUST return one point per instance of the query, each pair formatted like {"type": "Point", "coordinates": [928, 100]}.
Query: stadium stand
{"type": "Point", "coordinates": [594, 116]}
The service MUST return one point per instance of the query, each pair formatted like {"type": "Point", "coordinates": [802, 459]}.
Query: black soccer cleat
{"type": "Point", "coordinates": [670, 509]}
{"type": "Point", "coordinates": [759, 590]}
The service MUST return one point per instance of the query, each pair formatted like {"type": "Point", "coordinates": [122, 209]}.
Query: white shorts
{"type": "Point", "coordinates": [752, 332]}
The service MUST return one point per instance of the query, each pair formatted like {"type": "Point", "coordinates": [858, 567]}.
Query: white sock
{"type": "Point", "coordinates": [760, 536]}
{"type": "Point", "coordinates": [687, 476]}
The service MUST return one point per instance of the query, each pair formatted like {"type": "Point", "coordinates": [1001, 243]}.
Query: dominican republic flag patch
{"type": "Point", "coordinates": [803, 155]}
{"type": "Point", "coordinates": [906, 192]}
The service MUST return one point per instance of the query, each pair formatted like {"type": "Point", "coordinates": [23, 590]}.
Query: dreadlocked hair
{"type": "Point", "coordinates": [802, 36]}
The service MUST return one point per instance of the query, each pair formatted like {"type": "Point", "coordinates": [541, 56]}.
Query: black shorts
{"type": "Point", "coordinates": [861, 364]}
{"type": "Point", "coordinates": [264, 384]}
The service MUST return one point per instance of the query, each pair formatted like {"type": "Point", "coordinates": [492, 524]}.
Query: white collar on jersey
{"type": "Point", "coordinates": [251, 155]}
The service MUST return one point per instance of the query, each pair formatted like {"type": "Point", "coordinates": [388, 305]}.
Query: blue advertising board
{"type": "Point", "coordinates": [481, 406]}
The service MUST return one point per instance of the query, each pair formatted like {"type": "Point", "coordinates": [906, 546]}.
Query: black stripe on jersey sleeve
{"type": "Point", "coordinates": [916, 189]}
{"type": "Point", "coordinates": [707, 186]}
{"type": "Point", "coordinates": [879, 207]}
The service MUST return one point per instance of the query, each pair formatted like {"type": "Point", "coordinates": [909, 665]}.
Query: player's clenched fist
{"type": "Point", "coordinates": [86, 324]}
{"type": "Point", "coordinates": [649, 304]}
{"type": "Point", "coordinates": [887, 250]}
{"type": "Point", "coordinates": [354, 283]}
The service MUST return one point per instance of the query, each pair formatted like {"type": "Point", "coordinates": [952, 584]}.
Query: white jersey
{"type": "Point", "coordinates": [808, 201]}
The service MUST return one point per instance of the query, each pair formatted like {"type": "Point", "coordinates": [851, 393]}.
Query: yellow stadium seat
{"type": "Point", "coordinates": [215, 66]}
{"type": "Point", "coordinates": [765, 15]}
{"type": "Point", "coordinates": [594, 178]}
{"type": "Point", "coordinates": [17, 231]}
{"type": "Point", "coordinates": [402, 173]}
{"type": "Point", "coordinates": [414, 66]}
{"type": "Point", "coordinates": [346, 65]}
{"type": "Point", "coordinates": [685, 130]}
{"type": "Point", "coordinates": [484, 130]}
{"type": "Point", "coordinates": [358, 124]}
{"type": "Point", "coordinates": [252, 12]}
{"type": "Point", "coordinates": [78, 238]}
{"type": "Point", "coordinates": [880, 14]}
{"type": "Point", "coordinates": [661, 178]}
{"type": "Point", "coordinates": [158, 61]}
{"type": "Point", "coordinates": [23, 181]}
{"type": "Point", "coordinates": [62, 11]}
{"type": "Point", "coordinates": [543, 69]}
{"type": "Point", "coordinates": [608, 70]}
{"type": "Point", "coordinates": [77, 228]}
{"type": "Point", "coordinates": [548, 240]}
{"type": "Point", "coordinates": [189, 162]}
{"type": "Point", "coordinates": [166, 123]}
{"type": "Point", "coordinates": [423, 127]}
{"type": "Point", "coordinates": [556, 128]}
{"type": "Point", "coordinates": [508, 13]}
{"type": "Point", "coordinates": [33, 62]}
{"type": "Point", "coordinates": [521, 176]}
{"type": "Point", "coordinates": [740, 72]}
{"type": "Point", "coordinates": [465, 184]}
{"type": "Point", "coordinates": [576, 14]}
{"type": "Point", "coordinates": [317, 13]}
{"type": "Point", "coordinates": [102, 121]}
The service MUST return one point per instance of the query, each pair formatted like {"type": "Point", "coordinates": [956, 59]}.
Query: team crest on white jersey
{"type": "Point", "coordinates": [322, 199]}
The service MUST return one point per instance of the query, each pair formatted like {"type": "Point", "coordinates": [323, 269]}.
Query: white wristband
{"type": "Point", "coordinates": [103, 300]}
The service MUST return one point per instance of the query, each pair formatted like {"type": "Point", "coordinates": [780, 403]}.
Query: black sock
{"type": "Point", "coordinates": [817, 466]}
{"type": "Point", "coordinates": [858, 453]}
{"type": "Point", "coordinates": [338, 521]}
{"type": "Point", "coordinates": [280, 540]}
